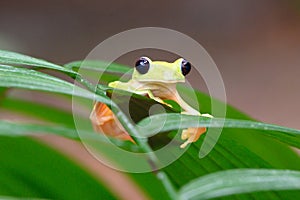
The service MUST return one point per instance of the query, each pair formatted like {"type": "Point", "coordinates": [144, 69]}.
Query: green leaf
{"type": "Point", "coordinates": [156, 191]}
{"type": "Point", "coordinates": [12, 58]}
{"type": "Point", "coordinates": [16, 129]}
{"type": "Point", "coordinates": [29, 169]}
{"type": "Point", "coordinates": [2, 93]}
{"type": "Point", "coordinates": [34, 80]}
{"type": "Point", "coordinates": [178, 121]}
{"type": "Point", "coordinates": [239, 181]}
{"type": "Point", "coordinates": [98, 66]}
{"type": "Point", "coordinates": [31, 79]}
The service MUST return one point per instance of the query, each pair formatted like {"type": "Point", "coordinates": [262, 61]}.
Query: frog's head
{"type": "Point", "coordinates": [160, 71]}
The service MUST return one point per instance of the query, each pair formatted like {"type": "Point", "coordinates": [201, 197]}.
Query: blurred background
{"type": "Point", "coordinates": [255, 44]}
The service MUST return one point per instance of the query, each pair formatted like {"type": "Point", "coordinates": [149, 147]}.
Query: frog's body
{"type": "Point", "coordinates": [157, 79]}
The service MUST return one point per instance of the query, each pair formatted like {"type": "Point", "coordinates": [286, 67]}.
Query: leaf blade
{"type": "Point", "coordinates": [239, 181]}
{"type": "Point", "coordinates": [34, 80]}
{"type": "Point", "coordinates": [13, 58]}
{"type": "Point", "coordinates": [178, 121]}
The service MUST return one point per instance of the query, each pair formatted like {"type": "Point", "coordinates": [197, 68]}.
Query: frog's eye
{"type": "Point", "coordinates": [185, 67]}
{"type": "Point", "coordinates": [142, 65]}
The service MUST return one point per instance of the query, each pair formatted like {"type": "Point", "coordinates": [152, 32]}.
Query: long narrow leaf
{"type": "Point", "coordinates": [239, 181]}
{"type": "Point", "coordinates": [12, 58]}
{"type": "Point", "coordinates": [34, 80]}
{"type": "Point", "coordinates": [178, 121]}
{"type": "Point", "coordinates": [16, 129]}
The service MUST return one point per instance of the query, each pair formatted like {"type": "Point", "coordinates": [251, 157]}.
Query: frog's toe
{"type": "Point", "coordinates": [185, 144]}
{"type": "Point", "coordinates": [207, 115]}
{"type": "Point", "coordinates": [168, 105]}
{"type": "Point", "coordinates": [162, 102]}
{"type": "Point", "coordinates": [113, 84]}
{"type": "Point", "coordinates": [185, 134]}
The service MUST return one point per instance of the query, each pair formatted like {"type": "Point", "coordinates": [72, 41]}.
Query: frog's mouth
{"type": "Point", "coordinates": [163, 81]}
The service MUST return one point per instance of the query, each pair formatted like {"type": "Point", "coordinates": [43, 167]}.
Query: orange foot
{"type": "Point", "coordinates": [104, 121]}
{"type": "Point", "coordinates": [191, 135]}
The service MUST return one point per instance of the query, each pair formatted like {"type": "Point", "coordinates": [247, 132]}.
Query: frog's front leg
{"type": "Point", "coordinates": [191, 134]}
{"type": "Point", "coordinates": [151, 95]}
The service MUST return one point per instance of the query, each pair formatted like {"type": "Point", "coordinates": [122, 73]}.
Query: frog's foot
{"type": "Point", "coordinates": [101, 114]}
{"type": "Point", "coordinates": [207, 115]}
{"type": "Point", "coordinates": [104, 121]}
{"type": "Point", "coordinates": [191, 135]}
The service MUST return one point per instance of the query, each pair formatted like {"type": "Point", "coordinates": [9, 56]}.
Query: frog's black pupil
{"type": "Point", "coordinates": [142, 65]}
{"type": "Point", "coordinates": [185, 67]}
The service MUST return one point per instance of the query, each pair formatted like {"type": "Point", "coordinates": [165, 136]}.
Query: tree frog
{"type": "Point", "coordinates": [157, 79]}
